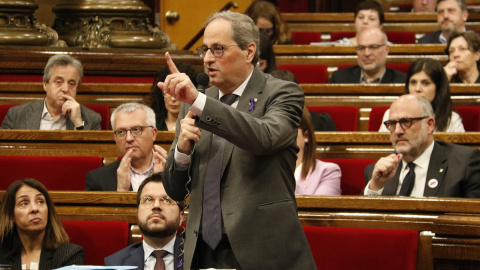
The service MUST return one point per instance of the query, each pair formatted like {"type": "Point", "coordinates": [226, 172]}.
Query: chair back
{"type": "Point", "coordinates": [353, 180]}
{"type": "Point", "coordinates": [308, 73]}
{"type": "Point", "coordinates": [470, 117]}
{"type": "Point", "coordinates": [345, 117]}
{"type": "Point", "coordinates": [305, 38]}
{"type": "Point", "coordinates": [375, 118]}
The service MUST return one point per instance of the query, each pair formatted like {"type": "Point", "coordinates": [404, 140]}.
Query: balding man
{"type": "Point", "coordinates": [421, 166]}
{"type": "Point", "coordinates": [372, 52]}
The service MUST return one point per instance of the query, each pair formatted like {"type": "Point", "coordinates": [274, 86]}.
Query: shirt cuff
{"type": "Point", "coordinates": [368, 191]}
{"type": "Point", "coordinates": [199, 104]}
{"type": "Point", "coordinates": [182, 161]}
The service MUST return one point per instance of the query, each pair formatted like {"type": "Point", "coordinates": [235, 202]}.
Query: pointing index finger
{"type": "Point", "coordinates": [171, 65]}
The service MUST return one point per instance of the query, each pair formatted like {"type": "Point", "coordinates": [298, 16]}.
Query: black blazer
{"type": "Point", "coordinates": [352, 75]}
{"type": "Point", "coordinates": [103, 178]}
{"type": "Point", "coordinates": [66, 254]}
{"type": "Point", "coordinates": [133, 255]}
{"type": "Point", "coordinates": [456, 167]}
{"type": "Point", "coordinates": [433, 38]}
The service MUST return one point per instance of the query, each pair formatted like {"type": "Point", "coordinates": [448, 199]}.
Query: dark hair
{"type": "Point", "coordinates": [309, 159]}
{"type": "Point", "coordinates": [157, 101]}
{"type": "Point", "coordinates": [370, 4]}
{"type": "Point", "coordinates": [54, 236]}
{"type": "Point", "coordinates": [156, 178]}
{"type": "Point", "coordinates": [442, 103]}
{"type": "Point", "coordinates": [269, 11]}
{"type": "Point", "coordinates": [285, 75]}
{"type": "Point", "coordinates": [472, 39]}
{"type": "Point", "coordinates": [267, 53]}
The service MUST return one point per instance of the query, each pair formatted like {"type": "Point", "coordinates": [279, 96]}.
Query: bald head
{"type": "Point", "coordinates": [411, 126]}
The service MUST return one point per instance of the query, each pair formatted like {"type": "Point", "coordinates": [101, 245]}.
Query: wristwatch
{"type": "Point", "coordinates": [81, 127]}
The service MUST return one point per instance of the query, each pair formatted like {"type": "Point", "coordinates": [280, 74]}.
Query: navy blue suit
{"type": "Point", "coordinates": [133, 255]}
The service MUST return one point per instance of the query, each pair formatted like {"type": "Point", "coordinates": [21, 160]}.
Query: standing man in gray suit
{"type": "Point", "coordinates": [59, 110]}
{"type": "Point", "coordinates": [259, 226]}
{"type": "Point", "coordinates": [421, 166]}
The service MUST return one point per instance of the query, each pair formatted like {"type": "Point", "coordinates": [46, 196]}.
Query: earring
{"type": "Point", "coordinates": [306, 140]}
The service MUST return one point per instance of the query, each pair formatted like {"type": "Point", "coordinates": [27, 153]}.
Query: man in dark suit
{"type": "Point", "coordinates": [422, 167]}
{"type": "Point", "coordinates": [259, 226]}
{"type": "Point", "coordinates": [59, 110]}
{"type": "Point", "coordinates": [451, 17]}
{"type": "Point", "coordinates": [372, 52]}
{"type": "Point", "coordinates": [158, 218]}
{"type": "Point", "coordinates": [134, 133]}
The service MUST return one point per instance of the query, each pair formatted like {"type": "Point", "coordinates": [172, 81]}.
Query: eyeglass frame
{"type": "Point", "coordinates": [267, 31]}
{"type": "Point", "coordinates": [372, 48]}
{"type": "Point", "coordinates": [211, 49]}
{"type": "Point", "coordinates": [392, 124]}
{"type": "Point", "coordinates": [130, 129]}
{"type": "Point", "coordinates": [165, 201]}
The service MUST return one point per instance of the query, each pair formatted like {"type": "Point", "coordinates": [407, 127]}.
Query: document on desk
{"type": "Point", "coordinates": [96, 267]}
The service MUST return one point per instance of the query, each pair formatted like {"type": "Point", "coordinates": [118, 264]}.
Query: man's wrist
{"type": "Point", "coordinates": [80, 127]}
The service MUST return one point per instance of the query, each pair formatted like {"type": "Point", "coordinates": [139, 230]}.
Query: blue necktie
{"type": "Point", "coordinates": [212, 212]}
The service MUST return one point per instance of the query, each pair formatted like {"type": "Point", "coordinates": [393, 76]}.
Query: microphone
{"type": "Point", "coordinates": [202, 81]}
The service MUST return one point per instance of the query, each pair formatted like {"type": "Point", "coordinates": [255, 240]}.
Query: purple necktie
{"type": "Point", "coordinates": [159, 254]}
{"type": "Point", "coordinates": [212, 212]}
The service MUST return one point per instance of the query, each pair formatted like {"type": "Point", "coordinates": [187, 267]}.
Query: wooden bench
{"type": "Point", "coordinates": [372, 145]}
{"type": "Point", "coordinates": [449, 228]}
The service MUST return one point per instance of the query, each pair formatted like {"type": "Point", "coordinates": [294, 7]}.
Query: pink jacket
{"type": "Point", "coordinates": [325, 180]}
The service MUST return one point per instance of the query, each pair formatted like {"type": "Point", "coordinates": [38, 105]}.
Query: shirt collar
{"type": "Point", "coordinates": [424, 159]}
{"type": "Point", "coordinates": [147, 250]}
{"type": "Point", "coordinates": [376, 80]}
{"type": "Point", "coordinates": [240, 89]}
{"type": "Point", "coordinates": [149, 171]}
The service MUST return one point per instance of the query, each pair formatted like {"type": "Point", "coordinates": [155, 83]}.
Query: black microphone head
{"type": "Point", "coordinates": [202, 81]}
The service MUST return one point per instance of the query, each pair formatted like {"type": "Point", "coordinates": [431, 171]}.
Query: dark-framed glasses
{"type": "Point", "coordinates": [216, 50]}
{"type": "Point", "coordinates": [136, 131]}
{"type": "Point", "coordinates": [150, 201]}
{"type": "Point", "coordinates": [372, 48]}
{"type": "Point", "coordinates": [405, 122]}
{"type": "Point", "coordinates": [267, 31]}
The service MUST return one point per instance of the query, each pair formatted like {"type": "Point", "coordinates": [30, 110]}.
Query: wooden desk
{"type": "Point", "coordinates": [449, 228]}
{"type": "Point", "coordinates": [101, 144]}
{"type": "Point", "coordinates": [396, 49]}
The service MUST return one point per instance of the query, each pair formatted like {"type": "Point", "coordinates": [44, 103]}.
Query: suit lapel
{"type": "Point", "coordinates": [436, 171]}
{"type": "Point", "coordinates": [257, 80]}
{"type": "Point", "coordinates": [136, 258]}
{"type": "Point", "coordinates": [391, 186]}
{"type": "Point", "coordinates": [34, 115]}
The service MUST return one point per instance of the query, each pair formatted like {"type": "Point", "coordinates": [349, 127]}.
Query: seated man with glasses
{"type": "Point", "coordinates": [421, 166]}
{"type": "Point", "coordinates": [158, 218]}
{"type": "Point", "coordinates": [59, 110]}
{"type": "Point", "coordinates": [134, 133]}
{"type": "Point", "coordinates": [372, 52]}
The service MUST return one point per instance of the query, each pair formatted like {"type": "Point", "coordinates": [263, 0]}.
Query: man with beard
{"type": "Point", "coordinates": [134, 133]}
{"type": "Point", "coordinates": [451, 16]}
{"type": "Point", "coordinates": [421, 166]}
{"type": "Point", "coordinates": [372, 51]}
{"type": "Point", "coordinates": [159, 218]}
{"type": "Point", "coordinates": [59, 110]}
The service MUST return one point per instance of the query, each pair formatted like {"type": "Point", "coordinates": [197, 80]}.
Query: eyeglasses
{"type": "Point", "coordinates": [121, 133]}
{"type": "Point", "coordinates": [217, 50]}
{"type": "Point", "coordinates": [405, 123]}
{"type": "Point", "coordinates": [372, 48]}
{"type": "Point", "coordinates": [150, 201]}
{"type": "Point", "coordinates": [267, 31]}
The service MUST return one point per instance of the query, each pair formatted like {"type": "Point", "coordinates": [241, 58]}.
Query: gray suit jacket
{"type": "Point", "coordinates": [29, 115]}
{"type": "Point", "coordinates": [352, 75]}
{"type": "Point", "coordinates": [133, 256]}
{"type": "Point", "coordinates": [455, 167]}
{"type": "Point", "coordinates": [257, 189]}
{"type": "Point", "coordinates": [103, 178]}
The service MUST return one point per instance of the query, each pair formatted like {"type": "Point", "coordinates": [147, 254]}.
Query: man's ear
{"type": "Point", "coordinates": [251, 50]}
